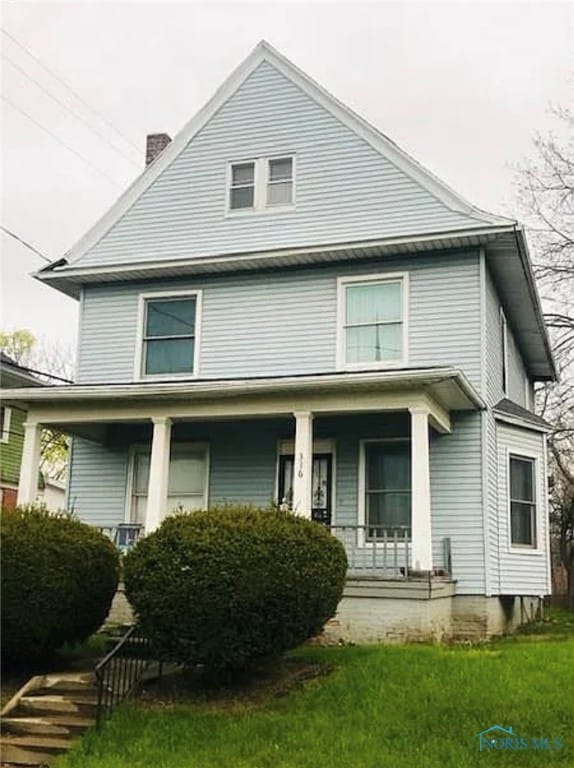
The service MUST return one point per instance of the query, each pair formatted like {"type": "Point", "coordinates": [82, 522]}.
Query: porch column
{"type": "Point", "coordinates": [420, 486]}
{"type": "Point", "coordinates": [303, 464]}
{"type": "Point", "coordinates": [30, 466]}
{"type": "Point", "coordinates": [158, 473]}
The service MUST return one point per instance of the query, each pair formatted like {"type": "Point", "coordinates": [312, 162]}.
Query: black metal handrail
{"type": "Point", "coordinates": [121, 670]}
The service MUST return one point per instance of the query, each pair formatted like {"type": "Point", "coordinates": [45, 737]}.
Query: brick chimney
{"type": "Point", "coordinates": [155, 143]}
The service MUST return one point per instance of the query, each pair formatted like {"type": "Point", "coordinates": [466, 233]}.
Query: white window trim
{"type": "Point", "coordinates": [320, 445]}
{"type": "Point", "coordinates": [392, 277]}
{"type": "Point", "coordinates": [525, 549]}
{"type": "Point", "coordinates": [527, 394]}
{"type": "Point", "coordinates": [5, 426]}
{"type": "Point", "coordinates": [504, 352]}
{"type": "Point", "coordinates": [362, 490]}
{"type": "Point", "coordinates": [139, 375]}
{"type": "Point", "coordinates": [146, 447]}
{"type": "Point", "coordinates": [260, 178]}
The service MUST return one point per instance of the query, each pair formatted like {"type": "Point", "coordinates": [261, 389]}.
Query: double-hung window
{"type": "Point", "coordinates": [522, 498]}
{"type": "Point", "coordinates": [262, 184]}
{"type": "Point", "coordinates": [372, 322]}
{"type": "Point", "coordinates": [242, 186]}
{"type": "Point", "coordinates": [187, 486]}
{"type": "Point", "coordinates": [169, 335]}
{"type": "Point", "coordinates": [280, 181]}
{"type": "Point", "coordinates": [387, 488]}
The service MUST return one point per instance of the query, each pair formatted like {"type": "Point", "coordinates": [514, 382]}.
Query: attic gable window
{"type": "Point", "coordinates": [242, 190]}
{"type": "Point", "coordinates": [280, 181]}
{"type": "Point", "coordinates": [266, 184]}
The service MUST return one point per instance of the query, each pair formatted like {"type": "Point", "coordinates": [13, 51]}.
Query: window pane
{"type": "Point", "coordinates": [376, 303]}
{"type": "Point", "coordinates": [141, 473]}
{"type": "Point", "coordinates": [280, 169]}
{"type": "Point", "coordinates": [388, 466]}
{"type": "Point", "coordinates": [170, 317]}
{"type": "Point", "coordinates": [373, 343]}
{"type": "Point", "coordinates": [185, 502]}
{"type": "Point", "coordinates": [186, 474]}
{"type": "Point", "coordinates": [241, 198]}
{"type": "Point", "coordinates": [389, 511]}
{"type": "Point", "coordinates": [521, 479]}
{"type": "Point", "coordinates": [243, 173]}
{"type": "Point", "coordinates": [169, 356]}
{"type": "Point", "coordinates": [280, 194]}
{"type": "Point", "coordinates": [522, 523]}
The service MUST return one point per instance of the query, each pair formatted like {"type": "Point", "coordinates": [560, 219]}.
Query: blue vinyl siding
{"type": "Point", "coordinates": [285, 322]}
{"type": "Point", "coordinates": [345, 189]}
{"type": "Point", "coordinates": [97, 482]}
{"type": "Point", "coordinates": [516, 371]}
{"type": "Point", "coordinates": [456, 500]}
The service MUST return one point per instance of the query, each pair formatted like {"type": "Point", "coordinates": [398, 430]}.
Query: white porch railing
{"type": "Point", "coordinates": [370, 549]}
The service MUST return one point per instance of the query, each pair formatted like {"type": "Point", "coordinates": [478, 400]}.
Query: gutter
{"type": "Point", "coordinates": [233, 387]}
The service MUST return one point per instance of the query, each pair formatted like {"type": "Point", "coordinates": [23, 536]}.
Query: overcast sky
{"type": "Point", "coordinates": [462, 86]}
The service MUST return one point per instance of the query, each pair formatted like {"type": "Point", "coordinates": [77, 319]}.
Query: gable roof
{"type": "Point", "coordinates": [468, 226]}
{"type": "Point", "coordinates": [264, 52]}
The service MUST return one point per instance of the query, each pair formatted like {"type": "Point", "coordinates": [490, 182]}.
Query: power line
{"type": "Point", "coordinates": [67, 108]}
{"type": "Point", "coordinates": [63, 143]}
{"type": "Point", "coordinates": [72, 91]}
{"type": "Point", "coordinates": [25, 243]}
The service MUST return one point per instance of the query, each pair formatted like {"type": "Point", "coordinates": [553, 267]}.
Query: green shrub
{"type": "Point", "coordinates": [58, 579]}
{"type": "Point", "coordinates": [233, 585]}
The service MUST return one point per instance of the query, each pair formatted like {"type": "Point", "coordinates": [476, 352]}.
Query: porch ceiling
{"type": "Point", "coordinates": [440, 390]}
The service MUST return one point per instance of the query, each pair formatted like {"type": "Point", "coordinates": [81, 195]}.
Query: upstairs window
{"type": "Point", "coordinates": [242, 189]}
{"type": "Point", "coordinates": [280, 181]}
{"type": "Point", "coordinates": [522, 498]}
{"type": "Point", "coordinates": [169, 335]}
{"type": "Point", "coordinates": [372, 322]}
{"type": "Point", "coordinates": [264, 184]}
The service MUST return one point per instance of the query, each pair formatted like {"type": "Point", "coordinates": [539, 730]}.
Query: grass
{"type": "Point", "coordinates": [399, 706]}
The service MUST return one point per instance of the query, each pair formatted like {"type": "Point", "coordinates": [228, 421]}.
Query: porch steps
{"type": "Point", "coordinates": [42, 720]}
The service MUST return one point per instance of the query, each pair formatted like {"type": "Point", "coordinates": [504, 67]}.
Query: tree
{"type": "Point", "coordinates": [546, 190]}
{"type": "Point", "coordinates": [50, 363]}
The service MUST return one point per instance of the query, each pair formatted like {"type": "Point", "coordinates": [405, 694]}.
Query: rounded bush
{"type": "Point", "coordinates": [58, 580]}
{"type": "Point", "coordinates": [227, 587]}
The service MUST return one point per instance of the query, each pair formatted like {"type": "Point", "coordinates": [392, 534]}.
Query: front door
{"type": "Point", "coordinates": [321, 495]}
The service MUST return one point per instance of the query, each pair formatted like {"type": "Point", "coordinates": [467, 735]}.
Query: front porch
{"type": "Point", "coordinates": [353, 451]}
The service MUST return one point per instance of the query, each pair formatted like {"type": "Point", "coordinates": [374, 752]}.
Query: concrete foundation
{"type": "Point", "coordinates": [386, 611]}
{"type": "Point", "coordinates": [423, 611]}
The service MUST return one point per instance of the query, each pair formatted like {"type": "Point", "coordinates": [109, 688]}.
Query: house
{"type": "Point", "coordinates": [12, 418]}
{"type": "Point", "coordinates": [286, 306]}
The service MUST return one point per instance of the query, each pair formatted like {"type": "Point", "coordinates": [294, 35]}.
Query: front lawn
{"type": "Point", "coordinates": [416, 706]}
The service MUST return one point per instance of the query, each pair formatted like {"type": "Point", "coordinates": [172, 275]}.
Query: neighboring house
{"type": "Point", "coordinates": [286, 306]}
{"type": "Point", "coordinates": [12, 418]}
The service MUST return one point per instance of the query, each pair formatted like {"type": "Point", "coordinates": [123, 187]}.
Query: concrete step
{"type": "Point", "coordinates": [31, 750]}
{"type": "Point", "coordinates": [84, 705]}
{"type": "Point", "coordinates": [68, 683]}
{"type": "Point", "coordinates": [49, 725]}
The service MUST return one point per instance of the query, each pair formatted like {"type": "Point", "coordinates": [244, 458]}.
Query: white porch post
{"type": "Point", "coordinates": [158, 473]}
{"type": "Point", "coordinates": [30, 466]}
{"type": "Point", "coordinates": [303, 464]}
{"type": "Point", "coordinates": [421, 502]}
